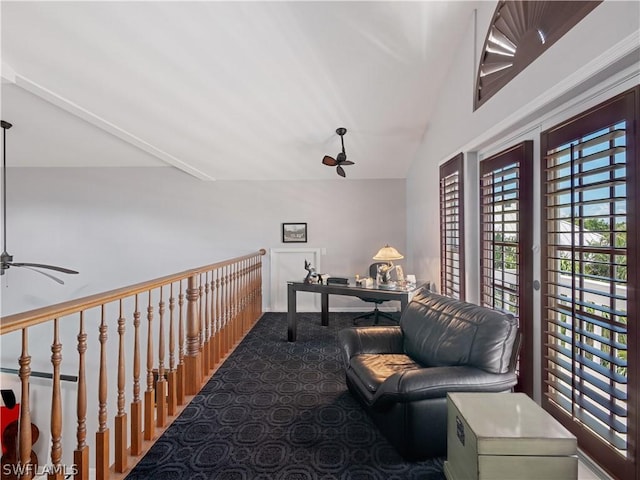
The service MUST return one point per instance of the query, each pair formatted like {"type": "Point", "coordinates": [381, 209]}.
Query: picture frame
{"type": "Point", "coordinates": [294, 232]}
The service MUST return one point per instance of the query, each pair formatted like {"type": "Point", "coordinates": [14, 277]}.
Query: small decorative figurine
{"type": "Point", "coordinates": [312, 275]}
{"type": "Point", "coordinates": [385, 272]}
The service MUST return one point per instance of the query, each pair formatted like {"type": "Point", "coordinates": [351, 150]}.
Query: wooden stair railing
{"type": "Point", "coordinates": [223, 301]}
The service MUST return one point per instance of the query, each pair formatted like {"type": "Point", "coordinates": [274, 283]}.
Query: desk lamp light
{"type": "Point", "coordinates": [387, 254]}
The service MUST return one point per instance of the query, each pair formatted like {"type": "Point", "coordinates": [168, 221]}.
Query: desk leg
{"type": "Point", "coordinates": [404, 301]}
{"type": "Point", "coordinates": [324, 316]}
{"type": "Point", "coordinates": [291, 313]}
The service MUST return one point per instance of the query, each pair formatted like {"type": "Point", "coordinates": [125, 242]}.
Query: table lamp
{"type": "Point", "coordinates": [387, 254]}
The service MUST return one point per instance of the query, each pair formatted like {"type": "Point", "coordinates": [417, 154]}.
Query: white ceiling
{"type": "Point", "coordinates": [225, 90]}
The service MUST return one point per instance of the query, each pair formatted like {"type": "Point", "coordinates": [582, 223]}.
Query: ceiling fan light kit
{"type": "Point", "coordinates": [6, 260]}
{"type": "Point", "coordinates": [341, 158]}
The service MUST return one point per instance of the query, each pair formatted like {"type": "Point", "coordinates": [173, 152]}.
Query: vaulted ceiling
{"type": "Point", "coordinates": [225, 90]}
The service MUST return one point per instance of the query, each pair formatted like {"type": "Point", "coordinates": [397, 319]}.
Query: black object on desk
{"type": "Point", "coordinates": [403, 295]}
{"type": "Point", "coordinates": [337, 281]}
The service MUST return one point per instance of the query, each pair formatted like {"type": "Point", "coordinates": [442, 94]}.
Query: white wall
{"type": "Point", "coordinates": [119, 226]}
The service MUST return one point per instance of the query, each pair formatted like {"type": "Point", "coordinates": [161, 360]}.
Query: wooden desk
{"type": "Point", "coordinates": [402, 295]}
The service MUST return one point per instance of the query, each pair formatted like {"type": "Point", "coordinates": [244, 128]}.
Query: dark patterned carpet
{"type": "Point", "coordinates": [279, 411]}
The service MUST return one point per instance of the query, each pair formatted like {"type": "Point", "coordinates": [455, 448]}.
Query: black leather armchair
{"type": "Point", "coordinates": [401, 374]}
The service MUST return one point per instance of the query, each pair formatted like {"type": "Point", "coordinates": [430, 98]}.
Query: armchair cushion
{"type": "Point", "coordinates": [373, 369]}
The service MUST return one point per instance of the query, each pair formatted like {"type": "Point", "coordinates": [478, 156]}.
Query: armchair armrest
{"type": "Point", "coordinates": [358, 340]}
{"type": "Point", "coordinates": [436, 382]}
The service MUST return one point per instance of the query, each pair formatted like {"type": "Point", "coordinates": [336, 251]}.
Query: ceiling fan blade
{"type": "Point", "coordinates": [22, 265]}
{"type": "Point", "coordinates": [347, 162]}
{"type": "Point", "coordinates": [41, 265]}
{"type": "Point", "coordinates": [341, 171]}
{"type": "Point", "coordinates": [327, 160]}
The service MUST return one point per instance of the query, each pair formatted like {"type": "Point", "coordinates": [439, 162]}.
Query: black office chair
{"type": "Point", "coordinates": [376, 314]}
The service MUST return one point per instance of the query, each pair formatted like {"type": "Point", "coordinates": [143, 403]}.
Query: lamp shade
{"type": "Point", "coordinates": [387, 253]}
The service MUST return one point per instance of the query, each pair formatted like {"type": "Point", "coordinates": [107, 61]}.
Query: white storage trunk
{"type": "Point", "coordinates": [492, 436]}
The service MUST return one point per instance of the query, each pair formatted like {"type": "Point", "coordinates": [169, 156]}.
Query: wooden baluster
{"type": "Point", "coordinates": [230, 321]}
{"type": "Point", "coordinates": [172, 399]}
{"type": "Point", "coordinates": [212, 320]}
{"type": "Point", "coordinates": [81, 453]}
{"type": "Point", "coordinates": [219, 345]}
{"type": "Point", "coordinates": [250, 292]}
{"type": "Point", "coordinates": [149, 394]}
{"type": "Point", "coordinates": [201, 337]}
{"type": "Point", "coordinates": [239, 294]}
{"type": "Point", "coordinates": [214, 332]}
{"type": "Point", "coordinates": [238, 301]}
{"type": "Point", "coordinates": [24, 431]}
{"type": "Point", "coordinates": [192, 361]}
{"type": "Point", "coordinates": [180, 387]}
{"type": "Point", "coordinates": [259, 287]}
{"type": "Point", "coordinates": [234, 303]}
{"type": "Point", "coordinates": [207, 321]}
{"type": "Point", "coordinates": [161, 385]}
{"type": "Point", "coordinates": [102, 435]}
{"type": "Point", "coordinates": [56, 407]}
{"type": "Point", "coordinates": [217, 319]}
{"type": "Point", "coordinates": [241, 298]}
{"type": "Point", "coordinates": [121, 416]}
{"type": "Point", "coordinates": [136, 404]}
{"type": "Point", "coordinates": [255, 283]}
{"type": "Point", "coordinates": [250, 311]}
{"type": "Point", "coordinates": [244, 297]}
{"type": "Point", "coordinates": [230, 318]}
{"type": "Point", "coordinates": [225, 307]}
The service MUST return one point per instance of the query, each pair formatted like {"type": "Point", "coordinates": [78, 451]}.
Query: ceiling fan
{"type": "Point", "coordinates": [341, 158]}
{"type": "Point", "coordinates": [6, 260]}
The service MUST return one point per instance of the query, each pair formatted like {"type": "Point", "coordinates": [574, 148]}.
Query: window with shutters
{"type": "Point", "coordinates": [590, 218]}
{"type": "Point", "coordinates": [505, 246]}
{"type": "Point", "coordinates": [452, 228]}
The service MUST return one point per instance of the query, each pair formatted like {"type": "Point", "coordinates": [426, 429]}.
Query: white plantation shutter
{"type": "Point", "coordinates": [590, 214]}
{"type": "Point", "coordinates": [505, 244]}
{"type": "Point", "coordinates": [452, 228]}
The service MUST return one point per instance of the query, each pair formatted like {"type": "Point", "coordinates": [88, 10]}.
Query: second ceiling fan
{"type": "Point", "coordinates": [341, 158]}
{"type": "Point", "coordinates": [6, 260]}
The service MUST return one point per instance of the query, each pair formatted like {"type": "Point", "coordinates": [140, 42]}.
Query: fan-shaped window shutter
{"type": "Point", "coordinates": [506, 202]}
{"type": "Point", "coordinates": [590, 308]}
{"type": "Point", "coordinates": [452, 228]}
{"type": "Point", "coordinates": [518, 34]}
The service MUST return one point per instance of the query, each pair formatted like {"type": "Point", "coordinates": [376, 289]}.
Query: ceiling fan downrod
{"type": "Point", "coordinates": [5, 258]}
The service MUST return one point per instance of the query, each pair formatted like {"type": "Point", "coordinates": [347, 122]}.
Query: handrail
{"type": "Point", "coordinates": [33, 317]}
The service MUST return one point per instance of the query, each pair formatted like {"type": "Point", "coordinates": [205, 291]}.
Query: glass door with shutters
{"type": "Point", "coordinates": [590, 234]}
{"type": "Point", "coordinates": [506, 258]}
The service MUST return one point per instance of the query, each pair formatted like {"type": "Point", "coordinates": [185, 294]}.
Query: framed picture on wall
{"type": "Point", "coordinates": [294, 233]}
